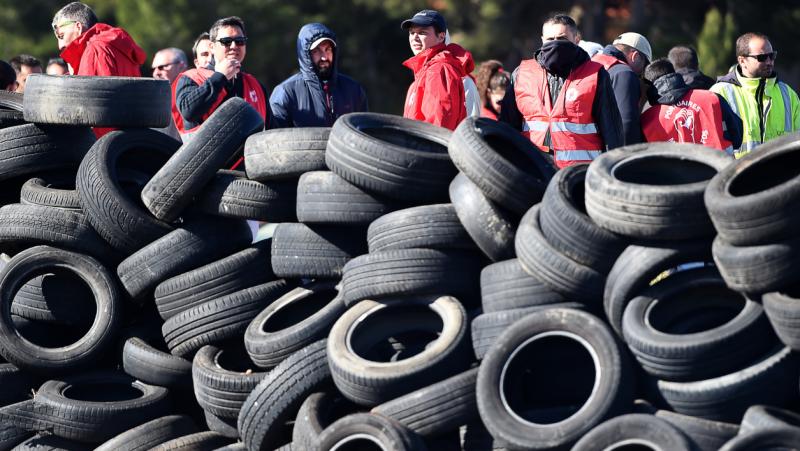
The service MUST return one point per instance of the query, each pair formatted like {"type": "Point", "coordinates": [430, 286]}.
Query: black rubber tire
{"type": "Point", "coordinates": [325, 198]}
{"type": "Point", "coordinates": [767, 439]}
{"type": "Point", "coordinates": [278, 397]}
{"type": "Point", "coordinates": [317, 412]}
{"type": "Point", "coordinates": [294, 321]}
{"type": "Point", "coordinates": [114, 404]}
{"type": "Point", "coordinates": [56, 190]}
{"type": "Point", "coordinates": [154, 366]}
{"type": "Point", "coordinates": [199, 441]}
{"type": "Point", "coordinates": [752, 201]}
{"type": "Point", "coordinates": [56, 297]}
{"type": "Point", "coordinates": [22, 226]}
{"type": "Point", "coordinates": [285, 153]}
{"type": "Point", "coordinates": [11, 101]}
{"type": "Point", "coordinates": [505, 286]}
{"type": "Point", "coordinates": [32, 148]}
{"type": "Point", "coordinates": [150, 434]}
{"type": "Point", "coordinates": [639, 265]}
{"type": "Point", "coordinates": [487, 327]}
{"type": "Point", "coordinates": [223, 378]}
{"type": "Point", "coordinates": [758, 269]}
{"type": "Point", "coordinates": [504, 165]}
{"type": "Point", "coordinates": [222, 426]}
{"type": "Point", "coordinates": [10, 118]}
{"type": "Point", "coordinates": [612, 390]}
{"type": "Point", "coordinates": [219, 319]}
{"type": "Point", "coordinates": [17, 385]}
{"type": "Point", "coordinates": [116, 214]}
{"type": "Point", "coordinates": [489, 226]}
{"type": "Point", "coordinates": [198, 242]}
{"type": "Point", "coordinates": [97, 102]}
{"type": "Point", "coordinates": [47, 442]}
{"type": "Point", "coordinates": [436, 409]}
{"type": "Point", "coordinates": [705, 435]}
{"type": "Point", "coordinates": [381, 350]}
{"type": "Point", "coordinates": [11, 436]}
{"type": "Point", "coordinates": [408, 272]}
{"type": "Point", "coordinates": [556, 270]}
{"type": "Point", "coordinates": [760, 417]}
{"type": "Point", "coordinates": [108, 299]}
{"type": "Point", "coordinates": [655, 193]}
{"type": "Point", "coordinates": [427, 226]}
{"type": "Point", "coordinates": [238, 271]}
{"type": "Point", "coordinates": [193, 166]}
{"type": "Point", "coordinates": [231, 194]}
{"type": "Point", "coordinates": [783, 310]}
{"type": "Point", "coordinates": [568, 228]}
{"type": "Point", "coordinates": [684, 327]}
{"type": "Point", "coordinates": [646, 431]}
{"type": "Point", "coordinates": [397, 157]}
{"type": "Point", "coordinates": [316, 251]}
{"type": "Point", "coordinates": [726, 398]}
{"type": "Point", "coordinates": [370, 431]}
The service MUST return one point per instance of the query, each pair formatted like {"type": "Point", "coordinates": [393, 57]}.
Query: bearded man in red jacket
{"type": "Point", "coordinates": [93, 48]}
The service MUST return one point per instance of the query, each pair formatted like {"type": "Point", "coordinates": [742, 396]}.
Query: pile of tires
{"type": "Point", "coordinates": [420, 288]}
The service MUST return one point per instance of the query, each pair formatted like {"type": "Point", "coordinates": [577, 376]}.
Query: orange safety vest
{"type": "Point", "coordinates": [252, 95]}
{"type": "Point", "coordinates": [696, 118]}
{"type": "Point", "coordinates": [573, 134]}
{"type": "Point", "coordinates": [607, 61]}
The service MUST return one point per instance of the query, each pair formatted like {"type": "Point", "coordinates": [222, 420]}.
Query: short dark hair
{"type": "Point", "coordinates": [658, 69]}
{"type": "Point", "coordinates": [24, 60]}
{"type": "Point", "coordinates": [77, 11]}
{"type": "Point", "coordinates": [7, 75]}
{"type": "Point", "coordinates": [232, 21]}
{"type": "Point", "coordinates": [743, 42]}
{"type": "Point", "coordinates": [203, 36]}
{"type": "Point", "coordinates": [563, 19]}
{"type": "Point", "coordinates": [683, 57]}
{"type": "Point", "coordinates": [59, 61]}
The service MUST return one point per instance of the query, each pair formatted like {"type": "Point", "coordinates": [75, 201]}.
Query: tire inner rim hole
{"type": "Point", "coordinates": [548, 379]}
{"type": "Point", "coordinates": [358, 442]}
{"type": "Point", "coordinates": [393, 334]}
{"type": "Point", "coordinates": [233, 357]}
{"type": "Point", "coordinates": [510, 151]}
{"type": "Point", "coordinates": [767, 174]}
{"type": "Point", "coordinates": [60, 309]}
{"type": "Point", "coordinates": [406, 139]}
{"type": "Point", "coordinates": [696, 310]}
{"type": "Point", "coordinates": [298, 310]}
{"type": "Point", "coordinates": [633, 445]}
{"type": "Point", "coordinates": [102, 392]}
{"type": "Point", "coordinates": [577, 194]}
{"type": "Point", "coordinates": [661, 171]}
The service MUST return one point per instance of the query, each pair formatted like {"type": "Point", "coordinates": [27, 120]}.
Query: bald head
{"type": "Point", "coordinates": [169, 63]}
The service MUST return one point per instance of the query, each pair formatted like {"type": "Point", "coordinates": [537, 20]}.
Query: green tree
{"type": "Point", "coordinates": [715, 42]}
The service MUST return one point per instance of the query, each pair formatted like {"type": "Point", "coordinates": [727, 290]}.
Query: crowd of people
{"type": "Point", "coordinates": [573, 99]}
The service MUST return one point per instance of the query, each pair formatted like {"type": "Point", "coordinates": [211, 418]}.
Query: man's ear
{"type": "Point", "coordinates": [80, 27]}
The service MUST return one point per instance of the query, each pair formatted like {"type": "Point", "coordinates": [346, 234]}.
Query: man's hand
{"type": "Point", "coordinates": [228, 67]}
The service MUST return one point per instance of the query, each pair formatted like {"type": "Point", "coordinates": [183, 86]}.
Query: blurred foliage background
{"type": "Point", "coordinates": [372, 46]}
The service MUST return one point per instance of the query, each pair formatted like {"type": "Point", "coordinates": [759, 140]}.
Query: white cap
{"type": "Point", "coordinates": [636, 41]}
{"type": "Point", "coordinates": [320, 41]}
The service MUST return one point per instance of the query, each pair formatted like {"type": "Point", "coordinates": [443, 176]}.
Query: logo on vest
{"type": "Point", "coordinates": [684, 122]}
{"type": "Point", "coordinates": [253, 96]}
{"type": "Point", "coordinates": [572, 94]}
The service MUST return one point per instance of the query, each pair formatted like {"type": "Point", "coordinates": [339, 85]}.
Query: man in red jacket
{"type": "Point", "coordinates": [437, 93]}
{"type": "Point", "coordinates": [92, 48]}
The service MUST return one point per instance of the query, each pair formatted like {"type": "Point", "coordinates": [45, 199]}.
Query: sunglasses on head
{"type": "Point", "coordinates": [240, 41]}
{"type": "Point", "coordinates": [764, 56]}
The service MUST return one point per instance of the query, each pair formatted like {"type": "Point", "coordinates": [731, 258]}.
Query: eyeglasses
{"type": "Point", "coordinates": [62, 24]}
{"type": "Point", "coordinates": [764, 56]}
{"type": "Point", "coordinates": [239, 40]}
{"type": "Point", "coordinates": [164, 66]}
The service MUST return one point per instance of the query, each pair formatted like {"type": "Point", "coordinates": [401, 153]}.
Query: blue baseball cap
{"type": "Point", "coordinates": [426, 18]}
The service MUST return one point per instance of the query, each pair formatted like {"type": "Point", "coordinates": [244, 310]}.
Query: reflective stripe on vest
{"type": "Point", "coordinates": [730, 96]}
{"type": "Point", "coordinates": [729, 150]}
{"type": "Point", "coordinates": [577, 155]}
{"type": "Point", "coordinates": [571, 127]}
{"type": "Point", "coordinates": [787, 107]}
{"type": "Point", "coordinates": [535, 126]}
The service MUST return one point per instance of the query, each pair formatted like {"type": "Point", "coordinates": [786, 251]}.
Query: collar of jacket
{"type": "Point", "coordinates": [735, 77]}
{"type": "Point", "coordinates": [417, 62]}
{"type": "Point", "coordinates": [671, 88]}
{"type": "Point", "coordinates": [610, 50]}
{"type": "Point", "coordinates": [113, 36]}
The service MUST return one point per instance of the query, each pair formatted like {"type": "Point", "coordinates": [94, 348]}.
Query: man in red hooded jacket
{"type": "Point", "coordinates": [437, 93]}
{"type": "Point", "coordinates": [93, 48]}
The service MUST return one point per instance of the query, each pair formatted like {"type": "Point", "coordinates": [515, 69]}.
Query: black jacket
{"type": "Point", "coordinates": [627, 91]}
{"type": "Point", "coordinates": [696, 79]}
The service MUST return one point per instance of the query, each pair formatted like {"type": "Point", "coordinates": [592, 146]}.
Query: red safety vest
{"type": "Point", "coordinates": [252, 95]}
{"type": "Point", "coordinates": [607, 61]}
{"type": "Point", "coordinates": [696, 118]}
{"type": "Point", "coordinates": [573, 133]}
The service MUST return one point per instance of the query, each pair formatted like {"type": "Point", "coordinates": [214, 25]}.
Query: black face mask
{"type": "Point", "coordinates": [557, 57]}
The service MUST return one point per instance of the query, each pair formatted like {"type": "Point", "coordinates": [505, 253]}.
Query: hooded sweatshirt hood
{"type": "Point", "coordinates": [463, 56]}
{"type": "Point", "coordinates": [308, 34]}
{"type": "Point", "coordinates": [670, 89]}
{"type": "Point", "coordinates": [114, 37]}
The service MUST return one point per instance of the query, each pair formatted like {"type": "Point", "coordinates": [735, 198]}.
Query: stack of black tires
{"type": "Point", "coordinates": [415, 288]}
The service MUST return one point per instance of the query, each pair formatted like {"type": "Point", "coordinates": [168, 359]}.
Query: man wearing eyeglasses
{"type": "Point", "coordinates": [169, 63]}
{"type": "Point", "coordinates": [93, 48]}
{"type": "Point", "coordinates": [198, 92]}
{"type": "Point", "coordinates": [768, 107]}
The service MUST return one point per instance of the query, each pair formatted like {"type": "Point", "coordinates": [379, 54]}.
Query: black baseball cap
{"type": "Point", "coordinates": [426, 18]}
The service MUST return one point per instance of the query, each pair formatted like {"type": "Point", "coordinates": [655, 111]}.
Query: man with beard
{"type": "Point", "coordinates": [561, 100]}
{"type": "Point", "coordinates": [318, 94]}
{"type": "Point", "coordinates": [768, 107]}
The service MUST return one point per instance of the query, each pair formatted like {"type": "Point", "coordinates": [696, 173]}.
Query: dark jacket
{"type": "Point", "coordinates": [604, 110]}
{"type": "Point", "coordinates": [627, 92]}
{"type": "Point", "coordinates": [671, 88]}
{"type": "Point", "coordinates": [695, 79]}
{"type": "Point", "coordinates": [300, 100]}
{"type": "Point", "coordinates": [194, 102]}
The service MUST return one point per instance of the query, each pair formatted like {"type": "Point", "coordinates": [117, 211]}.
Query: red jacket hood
{"type": "Point", "coordinates": [440, 54]}
{"type": "Point", "coordinates": [113, 36]}
{"type": "Point", "coordinates": [464, 56]}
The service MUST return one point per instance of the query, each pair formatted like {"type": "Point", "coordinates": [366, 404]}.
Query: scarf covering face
{"type": "Point", "coordinates": [558, 57]}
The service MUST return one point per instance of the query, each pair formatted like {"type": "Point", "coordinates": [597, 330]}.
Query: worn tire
{"type": "Point", "coordinates": [316, 251]}
{"type": "Point", "coordinates": [783, 310]}
{"type": "Point", "coordinates": [427, 227]}
{"type": "Point", "coordinates": [317, 412]}
{"type": "Point", "coordinates": [150, 434]}
{"type": "Point", "coordinates": [285, 153]}
{"type": "Point", "coordinates": [232, 195]}
{"type": "Point", "coordinates": [223, 378]}
{"type": "Point", "coordinates": [758, 269]}
{"type": "Point", "coordinates": [647, 431]}
{"type": "Point", "coordinates": [54, 190]}
{"type": "Point", "coordinates": [154, 366]}
{"type": "Point", "coordinates": [325, 198]}
{"type": "Point", "coordinates": [369, 430]}
{"type": "Point", "coordinates": [32, 148]}
{"type": "Point", "coordinates": [505, 286]}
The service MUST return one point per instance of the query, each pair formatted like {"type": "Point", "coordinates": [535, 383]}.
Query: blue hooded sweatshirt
{"type": "Point", "coordinates": [300, 100]}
